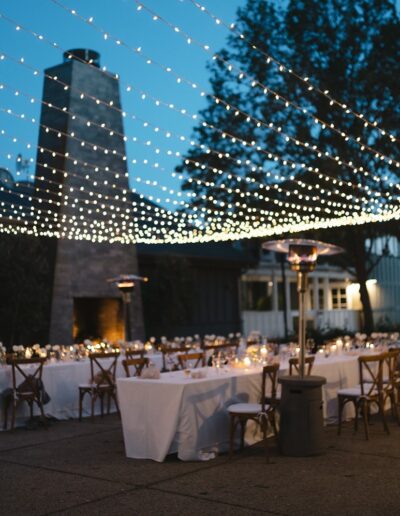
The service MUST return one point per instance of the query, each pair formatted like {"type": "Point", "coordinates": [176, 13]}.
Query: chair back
{"type": "Point", "coordinates": [220, 347]}
{"type": "Point", "coordinates": [103, 368]}
{"type": "Point", "coordinates": [134, 353]}
{"type": "Point", "coordinates": [370, 370]}
{"type": "Point", "coordinates": [199, 360]}
{"type": "Point", "coordinates": [390, 365]}
{"type": "Point", "coordinates": [268, 384]}
{"type": "Point", "coordinates": [31, 378]}
{"type": "Point", "coordinates": [294, 365]}
{"type": "Point", "coordinates": [168, 350]}
{"type": "Point", "coordinates": [394, 358]}
{"type": "Point", "coordinates": [137, 363]}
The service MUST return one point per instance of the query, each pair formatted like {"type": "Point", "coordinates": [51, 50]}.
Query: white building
{"type": "Point", "coordinates": [333, 300]}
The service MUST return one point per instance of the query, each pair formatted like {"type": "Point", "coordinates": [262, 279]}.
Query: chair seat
{"type": "Point", "coordinates": [246, 408]}
{"type": "Point", "coordinates": [90, 386]}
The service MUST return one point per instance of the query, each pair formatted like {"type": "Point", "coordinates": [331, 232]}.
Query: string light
{"type": "Point", "coordinates": [337, 160]}
{"type": "Point", "coordinates": [237, 178]}
{"type": "Point", "coordinates": [209, 232]}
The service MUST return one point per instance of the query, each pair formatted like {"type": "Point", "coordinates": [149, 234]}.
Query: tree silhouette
{"type": "Point", "coordinates": [300, 122]}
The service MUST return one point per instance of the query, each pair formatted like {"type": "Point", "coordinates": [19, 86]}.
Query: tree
{"type": "Point", "coordinates": [272, 147]}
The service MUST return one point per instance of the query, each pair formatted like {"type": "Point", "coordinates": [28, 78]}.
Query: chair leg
{"type": "Point", "coordinates": [340, 410]}
{"type": "Point", "coordinates": [356, 409]}
{"type": "Point", "coordinates": [242, 431]}
{"type": "Point", "coordinates": [395, 408]}
{"type": "Point", "coordinates": [6, 405]}
{"type": "Point", "coordinates": [93, 400]}
{"type": "Point", "coordinates": [31, 409]}
{"type": "Point", "coordinates": [365, 410]}
{"type": "Point", "coordinates": [273, 423]}
{"type": "Point", "coordinates": [101, 395]}
{"type": "Point", "coordinates": [264, 430]}
{"type": "Point", "coordinates": [109, 395]}
{"type": "Point", "coordinates": [81, 394]}
{"type": "Point", "coordinates": [382, 414]}
{"type": "Point", "coordinates": [13, 414]}
{"type": "Point", "coordinates": [231, 435]}
{"type": "Point", "coordinates": [40, 405]}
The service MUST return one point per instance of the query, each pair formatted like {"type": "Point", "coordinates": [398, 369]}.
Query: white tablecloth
{"type": "Point", "coordinates": [179, 414]}
{"type": "Point", "coordinates": [61, 381]}
{"type": "Point", "coordinates": [188, 416]}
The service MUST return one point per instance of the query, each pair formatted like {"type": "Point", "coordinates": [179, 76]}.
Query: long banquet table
{"type": "Point", "coordinates": [176, 414]}
{"type": "Point", "coordinates": [61, 380]}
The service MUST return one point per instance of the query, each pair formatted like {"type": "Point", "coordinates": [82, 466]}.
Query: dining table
{"type": "Point", "coordinates": [61, 380]}
{"type": "Point", "coordinates": [186, 415]}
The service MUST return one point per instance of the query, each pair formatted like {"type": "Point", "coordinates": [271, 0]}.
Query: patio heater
{"type": "Point", "coordinates": [302, 256]}
{"type": "Point", "coordinates": [301, 429]}
{"type": "Point", "coordinates": [126, 284]}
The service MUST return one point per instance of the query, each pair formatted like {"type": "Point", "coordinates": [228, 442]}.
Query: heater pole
{"type": "Point", "coordinates": [127, 304]}
{"type": "Point", "coordinates": [301, 289]}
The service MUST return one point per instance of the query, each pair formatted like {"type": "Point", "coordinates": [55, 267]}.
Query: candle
{"type": "Point", "coordinates": [263, 351]}
{"type": "Point", "coordinates": [247, 361]}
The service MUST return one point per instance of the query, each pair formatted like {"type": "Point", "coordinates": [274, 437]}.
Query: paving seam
{"type": "Point", "coordinates": [341, 450]}
{"type": "Point", "coordinates": [148, 485]}
{"type": "Point", "coordinates": [65, 472]}
{"type": "Point", "coordinates": [56, 440]}
{"type": "Point", "coordinates": [76, 506]}
{"type": "Point", "coordinates": [143, 488]}
{"type": "Point", "coordinates": [217, 501]}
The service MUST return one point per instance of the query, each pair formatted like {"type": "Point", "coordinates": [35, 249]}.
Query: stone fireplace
{"type": "Point", "coordinates": [98, 318]}
{"type": "Point", "coordinates": [83, 302]}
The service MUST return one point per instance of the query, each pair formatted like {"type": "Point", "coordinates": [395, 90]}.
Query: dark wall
{"type": "Point", "coordinates": [186, 294]}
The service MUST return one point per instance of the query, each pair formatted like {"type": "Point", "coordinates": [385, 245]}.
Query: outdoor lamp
{"type": "Point", "coordinates": [302, 256]}
{"type": "Point", "coordinates": [126, 284]}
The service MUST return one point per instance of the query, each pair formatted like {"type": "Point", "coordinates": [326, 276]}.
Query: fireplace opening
{"type": "Point", "coordinates": [98, 318]}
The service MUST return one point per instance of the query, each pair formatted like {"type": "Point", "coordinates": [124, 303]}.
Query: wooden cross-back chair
{"type": "Point", "coordinates": [294, 365]}
{"type": "Point", "coordinates": [29, 390]}
{"type": "Point", "coordinates": [102, 382]}
{"type": "Point", "coordinates": [370, 390]}
{"type": "Point", "coordinates": [136, 364]}
{"type": "Point", "coordinates": [168, 350]}
{"type": "Point", "coordinates": [221, 347]}
{"type": "Point", "coordinates": [262, 413]}
{"type": "Point", "coordinates": [195, 359]}
{"type": "Point", "coordinates": [391, 381]}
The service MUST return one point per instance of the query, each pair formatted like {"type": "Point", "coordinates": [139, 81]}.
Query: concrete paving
{"type": "Point", "coordinates": [75, 468]}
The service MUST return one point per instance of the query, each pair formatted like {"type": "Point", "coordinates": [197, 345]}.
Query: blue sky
{"type": "Point", "coordinates": [121, 19]}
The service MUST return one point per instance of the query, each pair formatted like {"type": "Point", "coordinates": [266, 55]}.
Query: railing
{"type": "Point", "coordinates": [271, 323]}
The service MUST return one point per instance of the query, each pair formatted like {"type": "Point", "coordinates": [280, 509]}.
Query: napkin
{"type": "Point", "coordinates": [150, 373]}
{"type": "Point", "coordinates": [198, 374]}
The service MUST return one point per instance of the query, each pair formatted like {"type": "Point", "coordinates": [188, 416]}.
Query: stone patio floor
{"type": "Point", "coordinates": [75, 468]}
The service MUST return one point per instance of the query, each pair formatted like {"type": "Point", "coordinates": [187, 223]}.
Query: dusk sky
{"type": "Point", "coordinates": [122, 20]}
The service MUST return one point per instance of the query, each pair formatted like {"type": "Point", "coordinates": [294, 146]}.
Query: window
{"type": "Point", "coordinates": [321, 298]}
{"type": "Point", "coordinates": [339, 298]}
{"type": "Point", "coordinates": [319, 305]}
{"type": "Point", "coordinates": [257, 295]}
